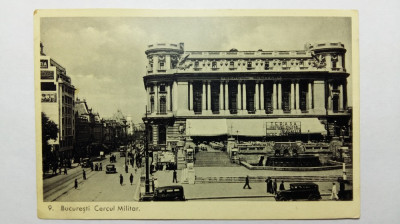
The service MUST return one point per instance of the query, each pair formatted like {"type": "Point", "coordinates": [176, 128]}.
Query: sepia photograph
{"type": "Point", "coordinates": [188, 109]}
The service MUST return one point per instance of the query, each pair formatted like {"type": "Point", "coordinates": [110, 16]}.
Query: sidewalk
{"type": "Point", "coordinates": [222, 190]}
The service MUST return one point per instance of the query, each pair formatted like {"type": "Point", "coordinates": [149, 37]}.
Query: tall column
{"type": "Point", "coordinates": [244, 96]}
{"type": "Point", "coordinates": [148, 98]}
{"type": "Point", "coordinates": [329, 96]}
{"type": "Point", "coordinates": [167, 100]}
{"type": "Point", "coordinates": [328, 60]}
{"type": "Point", "coordinates": [226, 96]}
{"type": "Point", "coordinates": [156, 98]}
{"type": "Point", "coordinates": [221, 96]}
{"type": "Point", "coordinates": [339, 61]}
{"type": "Point", "coordinates": [190, 95]}
{"type": "Point", "coordinates": [292, 96]}
{"type": "Point", "coordinates": [279, 96]}
{"type": "Point", "coordinates": [203, 97]}
{"type": "Point", "coordinates": [262, 96]}
{"type": "Point", "coordinates": [257, 98]}
{"type": "Point", "coordinates": [309, 96]}
{"type": "Point", "coordinates": [297, 96]}
{"type": "Point", "coordinates": [341, 106]}
{"type": "Point", "coordinates": [274, 97]}
{"type": "Point", "coordinates": [175, 96]}
{"type": "Point", "coordinates": [209, 95]}
{"type": "Point", "coordinates": [239, 95]}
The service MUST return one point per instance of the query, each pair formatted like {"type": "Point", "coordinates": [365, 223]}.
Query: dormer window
{"type": "Point", "coordinates": [214, 64]}
{"type": "Point", "coordinates": [196, 64]}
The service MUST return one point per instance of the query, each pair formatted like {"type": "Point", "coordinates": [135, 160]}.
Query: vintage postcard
{"type": "Point", "coordinates": [197, 114]}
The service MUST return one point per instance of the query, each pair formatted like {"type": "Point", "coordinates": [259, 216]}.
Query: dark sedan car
{"type": "Point", "coordinates": [166, 193]}
{"type": "Point", "coordinates": [110, 168]}
{"type": "Point", "coordinates": [308, 191]}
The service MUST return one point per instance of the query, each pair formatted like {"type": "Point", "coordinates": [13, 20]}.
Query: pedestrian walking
{"type": "Point", "coordinates": [275, 187]}
{"type": "Point", "coordinates": [247, 183]}
{"type": "Point", "coordinates": [131, 178]}
{"type": "Point", "coordinates": [91, 166]}
{"type": "Point", "coordinates": [126, 168]}
{"type": "Point", "coordinates": [282, 186]}
{"type": "Point", "coordinates": [101, 167]}
{"type": "Point", "coordinates": [174, 177]}
{"type": "Point", "coordinates": [121, 179]}
{"type": "Point", "coordinates": [65, 170]}
{"type": "Point", "coordinates": [84, 175]}
{"type": "Point", "coordinates": [76, 183]}
{"type": "Point", "coordinates": [269, 185]}
{"type": "Point", "coordinates": [334, 192]}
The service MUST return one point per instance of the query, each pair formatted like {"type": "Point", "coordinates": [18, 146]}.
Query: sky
{"type": "Point", "coordinates": [105, 56]}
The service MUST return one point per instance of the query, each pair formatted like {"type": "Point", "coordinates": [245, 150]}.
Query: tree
{"type": "Point", "coordinates": [49, 131]}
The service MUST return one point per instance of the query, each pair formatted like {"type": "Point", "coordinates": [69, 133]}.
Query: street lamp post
{"type": "Point", "coordinates": [147, 181]}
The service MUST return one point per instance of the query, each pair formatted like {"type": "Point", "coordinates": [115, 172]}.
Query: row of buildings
{"type": "Point", "coordinates": [81, 131]}
{"type": "Point", "coordinates": [276, 95]}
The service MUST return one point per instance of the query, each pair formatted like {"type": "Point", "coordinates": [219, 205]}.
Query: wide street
{"type": "Point", "coordinates": [98, 186]}
{"type": "Point", "coordinates": [235, 191]}
{"type": "Point", "coordinates": [102, 187]}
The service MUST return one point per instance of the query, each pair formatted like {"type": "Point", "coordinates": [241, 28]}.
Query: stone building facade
{"type": "Point", "coordinates": [245, 93]}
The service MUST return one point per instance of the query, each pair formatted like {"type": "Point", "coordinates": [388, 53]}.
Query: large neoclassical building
{"type": "Point", "coordinates": [259, 94]}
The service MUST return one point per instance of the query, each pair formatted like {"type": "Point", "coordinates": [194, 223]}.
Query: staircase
{"type": "Point", "coordinates": [213, 159]}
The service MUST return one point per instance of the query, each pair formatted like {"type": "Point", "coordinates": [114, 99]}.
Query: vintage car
{"type": "Point", "coordinates": [308, 191]}
{"type": "Point", "coordinates": [166, 193]}
{"type": "Point", "coordinates": [110, 168]}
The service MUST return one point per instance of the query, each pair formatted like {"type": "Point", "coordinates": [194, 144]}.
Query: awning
{"type": "Point", "coordinates": [206, 127]}
{"type": "Point", "coordinates": [254, 127]}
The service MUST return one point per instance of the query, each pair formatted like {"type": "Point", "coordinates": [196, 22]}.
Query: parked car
{"type": "Point", "coordinates": [166, 193]}
{"type": "Point", "coordinates": [110, 168]}
{"type": "Point", "coordinates": [297, 191]}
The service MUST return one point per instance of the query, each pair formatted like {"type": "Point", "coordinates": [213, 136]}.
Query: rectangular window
{"type": "Point", "coordinates": [162, 65]}
{"type": "Point", "coordinates": [266, 66]}
{"type": "Point", "coordinates": [249, 64]}
{"type": "Point", "coordinates": [162, 88]}
{"type": "Point", "coordinates": [48, 86]}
